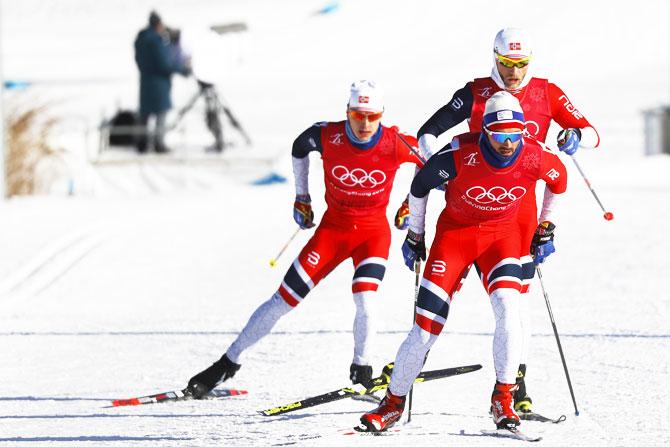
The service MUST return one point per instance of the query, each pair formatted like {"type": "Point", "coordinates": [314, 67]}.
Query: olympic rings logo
{"type": "Point", "coordinates": [496, 194]}
{"type": "Point", "coordinates": [358, 176]}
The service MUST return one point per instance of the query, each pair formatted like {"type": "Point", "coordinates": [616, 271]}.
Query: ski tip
{"type": "Point", "coordinates": [469, 368]}
{"type": "Point", "coordinates": [125, 402]}
{"type": "Point", "coordinates": [537, 417]}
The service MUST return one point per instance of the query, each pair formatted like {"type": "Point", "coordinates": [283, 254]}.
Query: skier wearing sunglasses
{"type": "Point", "coordinates": [542, 101]}
{"type": "Point", "coordinates": [360, 159]}
{"type": "Point", "coordinates": [489, 173]}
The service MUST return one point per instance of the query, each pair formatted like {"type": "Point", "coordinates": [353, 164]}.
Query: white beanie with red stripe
{"type": "Point", "coordinates": [503, 111]}
{"type": "Point", "coordinates": [366, 96]}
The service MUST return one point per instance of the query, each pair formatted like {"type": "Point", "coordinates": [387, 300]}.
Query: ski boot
{"type": "Point", "coordinates": [522, 402]}
{"type": "Point", "coordinates": [361, 374]}
{"type": "Point", "coordinates": [385, 415]}
{"type": "Point", "coordinates": [502, 405]}
{"type": "Point", "coordinates": [202, 383]}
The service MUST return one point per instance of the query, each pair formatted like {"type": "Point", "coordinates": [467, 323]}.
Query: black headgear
{"type": "Point", "coordinates": [154, 19]}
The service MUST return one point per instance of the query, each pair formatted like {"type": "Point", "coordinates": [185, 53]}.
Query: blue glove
{"type": "Point", "coordinates": [414, 247]}
{"type": "Point", "coordinates": [302, 211]}
{"type": "Point", "coordinates": [543, 242]}
{"type": "Point", "coordinates": [542, 252]}
{"type": "Point", "coordinates": [568, 140]}
{"type": "Point", "coordinates": [402, 216]}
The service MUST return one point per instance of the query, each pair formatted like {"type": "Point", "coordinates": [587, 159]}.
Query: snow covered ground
{"type": "Point", "coordinates": [144, 280]}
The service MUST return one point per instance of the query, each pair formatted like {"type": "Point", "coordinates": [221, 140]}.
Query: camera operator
{"type": "Point", "coordinates": [158, 55]}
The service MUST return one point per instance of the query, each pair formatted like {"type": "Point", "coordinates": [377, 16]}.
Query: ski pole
{"type": "Point", "coordinates": [417, 276]}
{"type": "Point", "coordinates": [607, 214]}
{"type": "Point", "coordinates": [418, 155]}
{"type": "Point", "coordinates": [273, 261]}
{"type": "Point", "coordinates": [558, 341]}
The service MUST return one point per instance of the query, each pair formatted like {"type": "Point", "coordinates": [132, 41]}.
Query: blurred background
{"type": "Point", "coordinates": [278, 66]}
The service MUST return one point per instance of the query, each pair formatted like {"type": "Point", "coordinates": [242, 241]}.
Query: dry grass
{"type": "Point", "coordinates": [27, 143]}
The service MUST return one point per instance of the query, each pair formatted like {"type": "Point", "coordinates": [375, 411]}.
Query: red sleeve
{"type": "Point", "coordinates": [553, 172]}
{"type": "Point", "coordinates": [407, 149]}
{"type": "Point", "coordinates": [562, 110]}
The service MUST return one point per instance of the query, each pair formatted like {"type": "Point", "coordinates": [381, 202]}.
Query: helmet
{"type": "Point", "coordinates": [513, 43]}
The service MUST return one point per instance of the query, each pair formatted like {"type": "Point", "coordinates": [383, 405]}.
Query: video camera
{"type": "Point", "coordinates": [174, 35]}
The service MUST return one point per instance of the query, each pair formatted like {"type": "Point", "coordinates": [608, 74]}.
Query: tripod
{"type": "Point", "coordinates": [213, 106]}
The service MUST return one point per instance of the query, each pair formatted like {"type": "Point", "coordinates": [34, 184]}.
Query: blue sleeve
{"type": "Point", "coordinates": [162, 57]}
{"type": "Point", "coordinates": [438, 169]}
{"type": "Point", "coordinates": [308, 141]}
{"type": "Point", "coordinates": [449, 115]}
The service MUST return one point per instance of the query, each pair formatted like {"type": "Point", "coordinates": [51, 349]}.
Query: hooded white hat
{"type": "Point", "coordinates": [514, 43]}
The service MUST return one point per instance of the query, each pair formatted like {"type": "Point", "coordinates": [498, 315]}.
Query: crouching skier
{"type": "Point", "coordinates": [488, 175]}
{"type": "Point", "coordinates": [360, 160]}
{"type": "Point", "coordinates": [541, 101]}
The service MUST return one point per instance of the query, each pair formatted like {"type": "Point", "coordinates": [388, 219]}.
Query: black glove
{"type": "Point", "coordinates": [414, 247]}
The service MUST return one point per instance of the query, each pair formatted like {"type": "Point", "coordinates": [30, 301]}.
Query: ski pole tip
{"type": "Point", "coordinates": [273, 262]}
{"type": "Point", "coordinates": [608, 216]}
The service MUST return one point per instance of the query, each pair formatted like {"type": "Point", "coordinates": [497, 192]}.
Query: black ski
{"type": "Point", "coordinates": [532, 416]}
{"type": "Point", "coordinates": [379, 383]}
{"type": "Point", "coordinates": [513, 433]}
{"type": "Point", "coordinates": [173, 396]}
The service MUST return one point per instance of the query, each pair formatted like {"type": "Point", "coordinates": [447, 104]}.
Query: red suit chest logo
{"type": "Point", "coordinates": [358, 181]}
{"type": "Point", "coordinates": [358, 176]}
{"type": "Point", "coordinates": [480, 193]}
{"type": "Point", "coordinates": [495, 194]}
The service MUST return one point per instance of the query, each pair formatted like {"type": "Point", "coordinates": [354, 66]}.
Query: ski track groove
{"type": "Point", "coordinates": [150, 179]}
{"type": "Point", "coordinates": [52, 263]}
